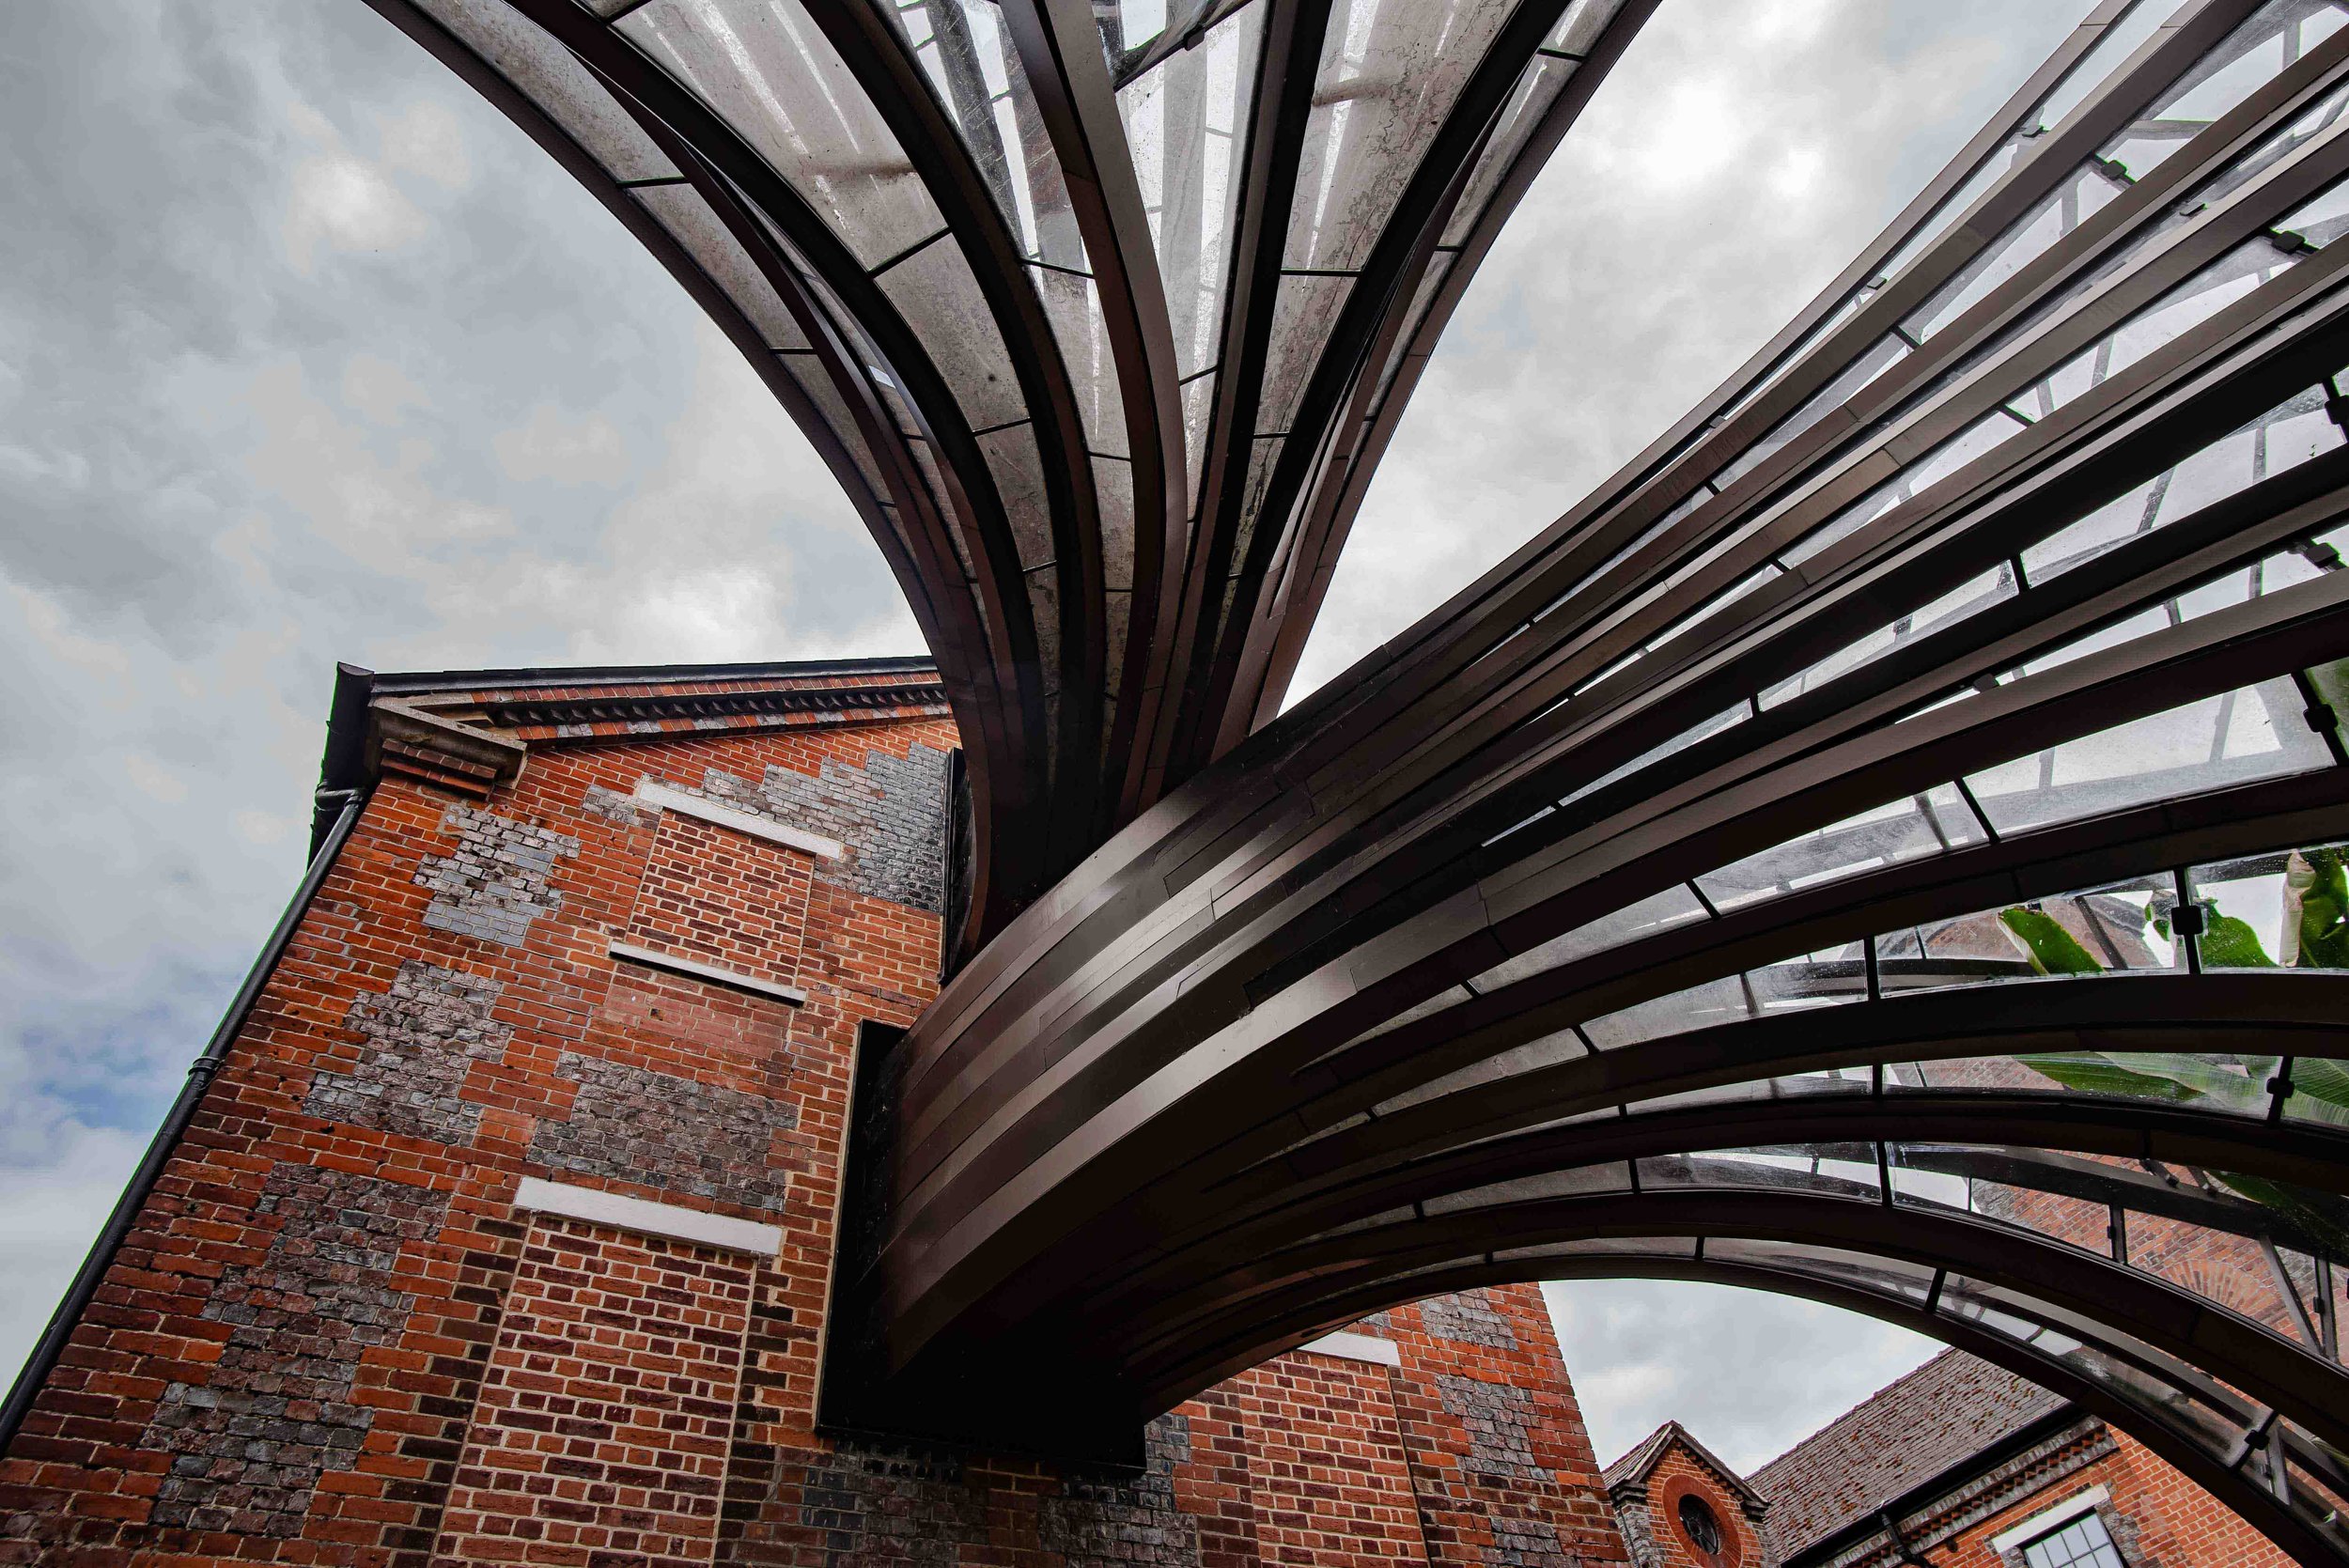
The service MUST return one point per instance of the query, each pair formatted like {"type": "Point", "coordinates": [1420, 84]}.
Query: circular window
{"type": "Point", "coordinates": [1697, 1522]}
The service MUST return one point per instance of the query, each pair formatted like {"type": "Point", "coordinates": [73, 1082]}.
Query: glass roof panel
{"type": "Point", "coordinates": [685, 214]}
{"type": "Point", "coordinates": [1927, 824]}
{"type": "Point", "coordinates": [2122, 926]}
{"type": "Point", "coordinates": [1820, 1170]}
{"type": "Point", "coordinates": [1390, 72]}
{"type": "Point", "coordinates": [2284, 910]}
{"type": "Point", "coordinates": [1187, 126]}
{"type": "Point", "coordinates": [1303, 319]}
{"type": "Point", "coordinates": [2255, 733]}
{"type": "Point", "coordinates": [1198, 397]}
{"type": "Point", "coordinates": [552, 77]}
{"type": "Point", "coordinates": [936, 292]}
{"type": "Point", "coordinates": [977, 74]}
{"type": "Point", "coordinates": [1072, 302]}
{"type": "Point", "coordinates": [766, 69]}
{"type": "Point", "coordinates": [2285, 437]}
{"type": "Point", "coordinates": [1537, 88]}
{"type": "Point", "coordinates": [1581, 24]}
{"type": "Point", "coordinates": [1011, 457]}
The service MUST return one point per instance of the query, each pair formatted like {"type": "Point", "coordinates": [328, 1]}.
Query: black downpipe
{"type": "Point", "coordinates": [54, 1339]}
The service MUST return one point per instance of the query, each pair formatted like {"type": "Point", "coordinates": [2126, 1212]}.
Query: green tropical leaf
{"type": "Point", "coordinates": [2236, 1083]}
{"type": "Point", "coordinates": [2092, 1073]}
{"type": "Point", "coordinates": [2325, 913]}
{"type": "Point", "coordinates": [2052, 949]}
{"type": "Point", "coordinates": [2321, 1090]}
{"type": "Point", "coordinates": [2228, 943]}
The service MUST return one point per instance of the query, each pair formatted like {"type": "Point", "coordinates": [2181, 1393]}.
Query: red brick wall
{"type": "Point", "coordinates": [1679, 1473]}
{"type": "Point", "coordinates": [607, 1411]}
{"type": "Point", "coordinates": [2158, 1517]}
{"type": "Point", "coordinates": [332, 1339]}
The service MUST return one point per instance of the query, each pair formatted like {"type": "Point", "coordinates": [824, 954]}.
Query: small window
{"type": "Point", "coordinates": [1704, 1532]}
{"type": "Point", "coordinates": [2081, 1543]}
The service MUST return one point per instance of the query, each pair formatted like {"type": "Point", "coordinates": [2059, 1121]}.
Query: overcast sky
{"type": "Point", "coordinates": [307, 354]}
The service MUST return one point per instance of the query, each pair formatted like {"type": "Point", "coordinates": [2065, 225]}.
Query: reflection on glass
{"type": "Point", "coordinates": [1185, 122]}
{"type": "Point", "coordinates": [2119, 925]}
{"type": "Point", "coordinates": [2234, 738]}
{"type": "Point", "coordinates": [2286, 909]}
{"type": "Point", "coordinates": [1390, 72]}
{"type": "Point", "coordinates": [766, 69]}
{"type": "Point", "coordinates": [1927, 824]}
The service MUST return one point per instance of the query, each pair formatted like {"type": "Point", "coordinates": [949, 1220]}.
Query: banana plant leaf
{"type": "Point", "coordinates": [2052, 949]}
{"type": "Point", "coordinates": [2228, 943]}
{"type": "Point", "coordinates": [2214, 1082]}
{"type": "Point", "coordinates": [2325, 913]}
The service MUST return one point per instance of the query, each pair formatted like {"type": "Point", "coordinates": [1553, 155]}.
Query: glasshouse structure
{"type": "Point", "coordinates": [1885, 845]}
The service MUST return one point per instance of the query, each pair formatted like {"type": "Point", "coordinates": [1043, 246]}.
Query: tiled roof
{"type": "Point", "coordinates": [1897, 1438]}
{"type": "Point", "coordinates": [1641, 1455]}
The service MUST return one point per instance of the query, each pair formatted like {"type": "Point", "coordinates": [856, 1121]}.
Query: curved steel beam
{"type": "Point", "coordinates": [964, 1157]}
{"type": "Point", "coordinates": [1809, 353]}
{"type": "Point", "coordinates": [921, 560]}
{"type": "Point", "coordinates": [1298, 1288]}
{"type": "Point", "coordinates": [1060, 47]}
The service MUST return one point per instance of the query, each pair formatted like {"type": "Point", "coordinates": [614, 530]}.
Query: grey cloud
{"type": "Point", "coordinates": [1750, 1374]}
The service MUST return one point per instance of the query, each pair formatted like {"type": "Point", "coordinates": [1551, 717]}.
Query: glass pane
{"type": "Point", "coordinates": [1680, 742]}
{"type": "Point", "coordinates": [1548, 1051]}
{"type": "Point", "coordinates": [1302, 318]}
{"type": "Point", "coordinates": [977, 75]}
{"type": "Point", "coordinates": [1011, 456]}
{"type": "Point", "coordinates": [1701, 1006]}
{"type": "Point", "coordinates": [1185, 122]}
{"type": "Point", "coordinates": [1576, 1183]}
{"type": "Point", "coordinates": [552, 77]}
{"type": "Point", "coordinates": [1791, 1086]}
{"type": "Point", "coordinates": [1822, 1169]}
{"type": "Point", "coordinates": [1073, 304]}
{"type": "Point", "coordinates": [1537, 88]}
{"type": "Point", "coordinates": [1885, 1277]}
{"type": "Point", "coordinates": [2122, 926]}
{"type": "Point", "coordinates": [765, 67]}
{"type": "Point", "coordinates": [1390, 72]}
{"type": "Point", "coordinates": [2287, 909]}
{"type": "Point", "coordinates": [1606, 1247]}
{"type": "Point", "coordinates": [1997, 1184]}
{"type": "Point", "coordinates": [1926, 824]}
{"type": "Point", "coordinates": [2256, 733]}
{"type": "Point", "coordinates": [1662, 912]}
{"type": "Point", "coordinates": [1991, 588]}
{"type": "Point", "coordinates": [683, 212]}
{"type": "Point", "coordinates": [938, 295]}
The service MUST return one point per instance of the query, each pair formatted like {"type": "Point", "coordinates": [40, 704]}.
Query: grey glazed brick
{"type": "Point", "coordinates": [890, 816]}
{"type": "Point", "coordinates": [421, 1036]}
{"type": "Point", "coordinates": [1467, 1318]}
{"type": "Point", "coordinates": [499, 880]}
{"type": "Point", "coordinates": [1499, 1420]}
{"type": "Point", "coordinates": [631, 1123]}
{"type": "Point", "coordinates": [248, 1446]}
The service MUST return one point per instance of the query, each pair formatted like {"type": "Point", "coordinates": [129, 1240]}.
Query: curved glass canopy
{"type": "Point", "coordinates": [1100, 316]}
{"type": "Point", "coordinates": [1887, 844]}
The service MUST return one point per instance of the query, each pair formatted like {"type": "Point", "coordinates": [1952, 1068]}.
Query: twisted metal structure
{"type": "Point", "coordinates": [1885, 845]}
{"type": "Point", "coordinates": [1101, 318]}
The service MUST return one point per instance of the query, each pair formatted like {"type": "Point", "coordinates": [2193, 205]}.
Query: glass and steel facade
{"type": "Point", "coordinates": [1887, 844]}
